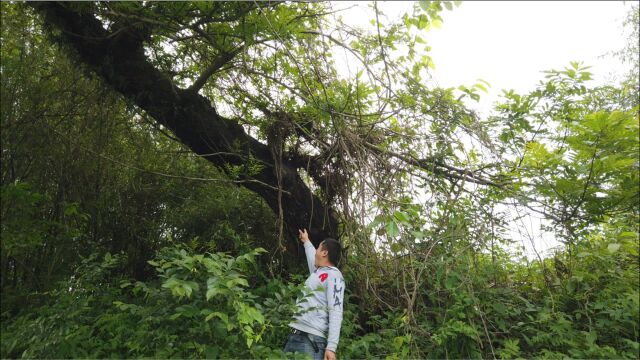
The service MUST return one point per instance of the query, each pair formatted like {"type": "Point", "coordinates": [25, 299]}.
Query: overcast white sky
{"type": "Point", "coordinates": [509, 44]}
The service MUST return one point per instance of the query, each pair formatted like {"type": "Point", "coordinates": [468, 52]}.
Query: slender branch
{"type": "Point", "coordinates": [382, 53]}
{"type": "Point", "coordinates": [219, 62]}
{"type": "Point", "coordinates": [351, 50]}
{"type": "Point", "coordinates": [436, 167]}
{"type": "Point", "coordinates": [137, 168]}
{"type": "Point", "coordinates": [586, 184]}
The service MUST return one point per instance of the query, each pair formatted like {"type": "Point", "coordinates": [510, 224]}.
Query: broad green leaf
{"type": "Point", "coordinates": [613, 247]}
{"type": "Point", "coordinates": [221, 316]}
{"type": "Point", "coordinates": [392, 229]}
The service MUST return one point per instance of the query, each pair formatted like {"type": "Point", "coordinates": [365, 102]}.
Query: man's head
{"type": "Point", "coordinates": [328, 253]}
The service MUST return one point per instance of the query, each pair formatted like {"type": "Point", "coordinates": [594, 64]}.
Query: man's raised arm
{"type": "Point", "coordinates": [309, 250]}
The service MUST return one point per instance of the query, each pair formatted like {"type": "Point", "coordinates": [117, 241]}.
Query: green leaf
{"type": "Point", "coordinates": [499, 308]}
{"type": "Point", "coordinates": [613, 247]}
{"type": "Point", "coordinates": [392, 229]}
{"type": "Point", "coordinates": [423, 22]}
{"type": "Point", "coordinates": [407, 21]}
{"type": "Point", "coordinates": [212, 352]}
{"type": "Point", "coordinates": [211, 293]}
{"type": "Point", "coordinates": [221, 316]}
{"type": "Point", "coordinates": [481, 87]}
{"type": "Point", "coordinates": [400, 216]}
{"type": "Point", "coordinates": [398, 341]}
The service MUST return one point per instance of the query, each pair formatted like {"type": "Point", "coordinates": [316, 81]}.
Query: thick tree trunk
{"type": "Point", "coordinates": [118, 58]}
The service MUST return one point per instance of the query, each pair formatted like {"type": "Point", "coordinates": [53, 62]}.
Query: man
{"type": "Point", "coordinates": [317, 329]}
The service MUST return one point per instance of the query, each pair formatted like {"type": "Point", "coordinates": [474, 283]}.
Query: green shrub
{"type": "Point", "coordinates": [202, 306]}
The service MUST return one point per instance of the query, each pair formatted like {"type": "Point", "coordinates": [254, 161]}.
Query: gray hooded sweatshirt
{"type": "Point", "coordinates": [321, 309]}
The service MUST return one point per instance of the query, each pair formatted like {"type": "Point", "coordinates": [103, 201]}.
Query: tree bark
{"type": "Point", "coordinates": [117, 56]}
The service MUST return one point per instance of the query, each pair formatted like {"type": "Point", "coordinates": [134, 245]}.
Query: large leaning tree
{"type": "Point", "coordinates": [256, 88]}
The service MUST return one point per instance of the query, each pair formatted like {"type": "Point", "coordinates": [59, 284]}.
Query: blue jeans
{"type": "Point", "coordinates": [302, 343]}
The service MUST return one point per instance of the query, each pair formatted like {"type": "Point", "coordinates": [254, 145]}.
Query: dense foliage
{"type": "Point", "coordinates": [119, 241]}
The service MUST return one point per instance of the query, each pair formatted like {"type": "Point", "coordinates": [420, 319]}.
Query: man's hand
{"type": "Point", "coordinates": [303, 236]}
{"type": "Point", "coordinates": [329, 355]}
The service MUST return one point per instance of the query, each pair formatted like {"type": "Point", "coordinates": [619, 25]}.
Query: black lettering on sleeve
{"type": "Point", "coordinates": [337, 294]}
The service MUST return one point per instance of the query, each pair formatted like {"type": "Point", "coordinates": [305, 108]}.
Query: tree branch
{"type": "Point", "coordinates": [219, 62]}
{"type": "Point", "coordinates": [437, 167]}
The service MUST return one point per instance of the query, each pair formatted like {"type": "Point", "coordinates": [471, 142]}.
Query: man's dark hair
{"type": "Point", "coordinates": [334, 248]}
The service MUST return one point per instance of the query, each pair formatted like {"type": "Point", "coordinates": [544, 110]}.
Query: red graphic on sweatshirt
{"type": "Point", "coordinates": [323, 277]}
